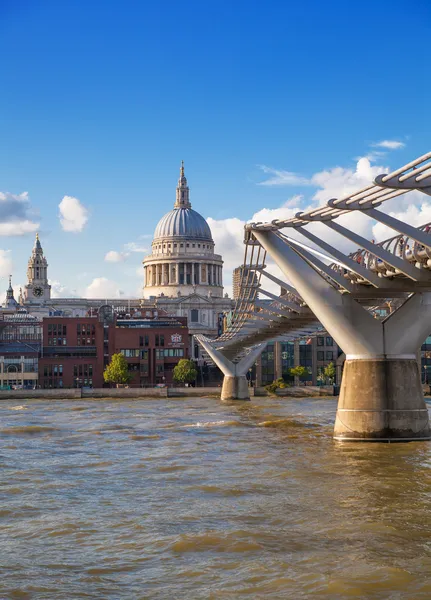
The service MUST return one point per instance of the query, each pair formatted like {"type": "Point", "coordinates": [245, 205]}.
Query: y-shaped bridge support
{"type": "Point", "coordinates": [235, 385]}
{"type": "Point", "coordinates": [381, 396]}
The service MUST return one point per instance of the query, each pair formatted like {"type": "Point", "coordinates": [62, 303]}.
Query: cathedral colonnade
{"type": "Point", "coordinates": [183, 273]}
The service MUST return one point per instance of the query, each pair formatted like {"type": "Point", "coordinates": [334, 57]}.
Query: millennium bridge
{"type": "Point", "coordinates": [381, 396]}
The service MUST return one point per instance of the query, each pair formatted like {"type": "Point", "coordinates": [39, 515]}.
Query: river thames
{"type": "Point", "coordinates": [194, 499]}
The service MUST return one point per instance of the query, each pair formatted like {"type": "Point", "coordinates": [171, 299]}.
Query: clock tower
{"type": "Point", "coordinates": [37, 289]}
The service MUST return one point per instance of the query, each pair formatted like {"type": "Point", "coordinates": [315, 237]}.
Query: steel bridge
{"type": "Point", "coordinates": [381, 395]}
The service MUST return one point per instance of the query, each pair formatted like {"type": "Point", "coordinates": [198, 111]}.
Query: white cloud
{"type": "Point", "coordinates": [134, 247]}
{"type": "Point", "coordinates": [280, 177]}
{"type": "Point", "coordinates": [73, 214]}
{"type": "Point", "coordinates": [5, 263]}
{"type": "Point", "coordinates": [18, 228]}
{"type": "Point", "coordinates": [16, 216]}
{"type": "Point", "coordinates": [115, 257]}
{"type": "Point", "coordinates": [389, 144]}
{"type": "Point", "coordinates": [61, 291]}
{"type": "Point", "coordinates": [102, 288]}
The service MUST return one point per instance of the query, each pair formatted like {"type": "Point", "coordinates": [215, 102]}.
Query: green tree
{"type": "Point", "coordinates": [329, 372]}
{"type": "Point", "coordinates": [185, 371]}
{"type": "Point", "coordinates": [117, 371]}
{"type": "Point", "coordinates": [299, 371]}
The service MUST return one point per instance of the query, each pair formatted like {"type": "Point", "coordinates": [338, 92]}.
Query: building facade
{"type": "Point", "coordinates": [76, 350]}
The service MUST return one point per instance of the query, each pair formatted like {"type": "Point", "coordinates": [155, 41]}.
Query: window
{"type": "Point", "coordinates": [162, 340]}
{"type": "Point", "coordinates": [144, 354]}
{"type": "Point", "coordinates": [194, 315]}
{"type": "Point", "coordinates": [329, 341]}
{"type": "Point", "coordinates": [320, 341]}
{"type": "Point", "coordinates": [320, 355]}
{"type": "Point", "coordinates": [130, 352]}
{"type": "Point", "coordinates": [329, 355]}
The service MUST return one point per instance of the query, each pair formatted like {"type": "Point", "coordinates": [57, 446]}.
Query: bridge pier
{"type": "Point", "coordinates": [381, 396]}
{"type": "Point", "coordinates": [235, 384]}
{"type": "Point", "coordinates": [381, 400]}
{"type": "Point", "coordinates": [235, 388]}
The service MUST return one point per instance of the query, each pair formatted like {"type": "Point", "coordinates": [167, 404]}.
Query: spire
{"type": "Point", "coordinates": [37, 244]}
{"type": "Point", "coordinates": [182, 196]}
{"type": "Point", "coordinates": [10, 301]}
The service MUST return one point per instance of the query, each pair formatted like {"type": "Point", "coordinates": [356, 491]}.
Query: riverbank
{"type": "Point", "coordinates": [182, 392]}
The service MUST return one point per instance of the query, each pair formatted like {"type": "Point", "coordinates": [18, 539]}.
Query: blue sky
{"type": "Point", "coordinates": [101, 100]}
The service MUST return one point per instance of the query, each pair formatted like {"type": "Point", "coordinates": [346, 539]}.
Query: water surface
{"type": "Point", "coordinates": [198, 500]}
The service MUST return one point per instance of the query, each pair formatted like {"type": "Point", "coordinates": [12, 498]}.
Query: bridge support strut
{"type": "Point", "coordinates": [235, 384]}
{"type": "Point", "coordinates": [381, 396]}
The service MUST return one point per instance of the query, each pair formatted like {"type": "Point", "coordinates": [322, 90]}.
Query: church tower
{"type": "Point", "coordinates": [37, 289]}
{"type": "Point", "coordinates": [10, 303]}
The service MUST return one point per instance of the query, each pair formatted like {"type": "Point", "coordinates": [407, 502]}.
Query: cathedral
{"type": "Point", "coordinates": [183, 276]}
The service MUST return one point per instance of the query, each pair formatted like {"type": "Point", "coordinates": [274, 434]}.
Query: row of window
{"type": "Point", "coordinates": [86, 341]}
{"type": "Point", "coordinates": [178, 352]}
{"type": "Point", "coordinates": [79, 382]}
{"type": "Point", "coordinates": [86, 329]}
{"type": "Point", "coordinates": [52, 383]}
{"type": "Point", "coordinates": [322, 341]}
{"type": "Point", "coordinates": [325, 355]}
{"type": "Point", "coordinates": [169, 246]}
{"type": "Point", "coordinates": [57, 341]}
{"type": "Point", "coordinates": [53, 371]}
{"type": "Point", "coordinates": [56, 329]}
{"type": "Point", "coordinates": [83, 370]}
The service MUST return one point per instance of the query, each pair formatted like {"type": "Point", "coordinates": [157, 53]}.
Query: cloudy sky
{"type": "Point", "coordinates": [274, 107]}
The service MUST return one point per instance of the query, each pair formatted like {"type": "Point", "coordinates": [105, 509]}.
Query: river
{"type": "Point", "coordinates": [172, 499]}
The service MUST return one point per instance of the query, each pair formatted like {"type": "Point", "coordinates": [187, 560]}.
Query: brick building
{"type": "Point", "coordinates": [76, 350]}
{"type": "Point", "coordinates": [72, 352]}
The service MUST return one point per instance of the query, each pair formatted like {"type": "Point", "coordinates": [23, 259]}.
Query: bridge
{"type": "Point", "coordinates": [381, 397]}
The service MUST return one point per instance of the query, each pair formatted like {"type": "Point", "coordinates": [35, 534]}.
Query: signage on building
{"type": "Point", "coordinates": [176, 338]}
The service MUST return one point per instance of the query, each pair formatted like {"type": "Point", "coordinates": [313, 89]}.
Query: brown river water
{"type": "Point", "coordinates": [193, 499]}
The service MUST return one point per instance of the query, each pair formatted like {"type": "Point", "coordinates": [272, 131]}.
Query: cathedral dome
{"type": "Point", "coordinates": [184, 223]}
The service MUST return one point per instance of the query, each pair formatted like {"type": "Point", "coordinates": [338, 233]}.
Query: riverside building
{"type": "Point", "coordinates": [76, 350]}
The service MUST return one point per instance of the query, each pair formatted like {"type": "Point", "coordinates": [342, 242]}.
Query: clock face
{"type": "Point", "coordinates": [38, 292]}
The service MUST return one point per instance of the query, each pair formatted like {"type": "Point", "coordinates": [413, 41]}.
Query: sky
{"type": "Point", "coordinates": [274, 106]}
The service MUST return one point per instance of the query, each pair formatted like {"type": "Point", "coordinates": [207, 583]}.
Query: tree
{"type": "Point", "coordinates": [299, 371]}
{"type": "Point", "coordinates": [185, 371]}
{"type": "Point", "coordinates": [329, 372]}
{"type": "Point", "coordinates": [117, 370]}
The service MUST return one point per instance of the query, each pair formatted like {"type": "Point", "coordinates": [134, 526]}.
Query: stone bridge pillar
{"type": "Point", "coordinates": [381, 396]}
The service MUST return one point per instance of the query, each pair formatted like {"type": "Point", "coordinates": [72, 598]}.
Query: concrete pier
{"type": "Point", "coordinates": [235, 388]}
{"type": "Point", "coordinates": [381, 400]}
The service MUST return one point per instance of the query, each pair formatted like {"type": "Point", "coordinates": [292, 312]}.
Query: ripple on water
{"type": "Point", "coordinates": [29, 430]}
{"type": "Point", "coordinates": [236, 541]}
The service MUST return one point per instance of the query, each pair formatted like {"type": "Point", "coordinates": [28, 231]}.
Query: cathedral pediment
{"type": "Point", "coordinates": [193, 299]}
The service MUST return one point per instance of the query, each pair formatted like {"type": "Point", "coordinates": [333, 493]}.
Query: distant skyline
{"type": "Point", "coordinates": [273, 107]}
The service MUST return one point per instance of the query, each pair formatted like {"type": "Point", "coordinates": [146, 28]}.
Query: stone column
{"type": "Point", "coordinates": [177, 273]}
{"type": "Point", "coordinates": [193, 273]}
